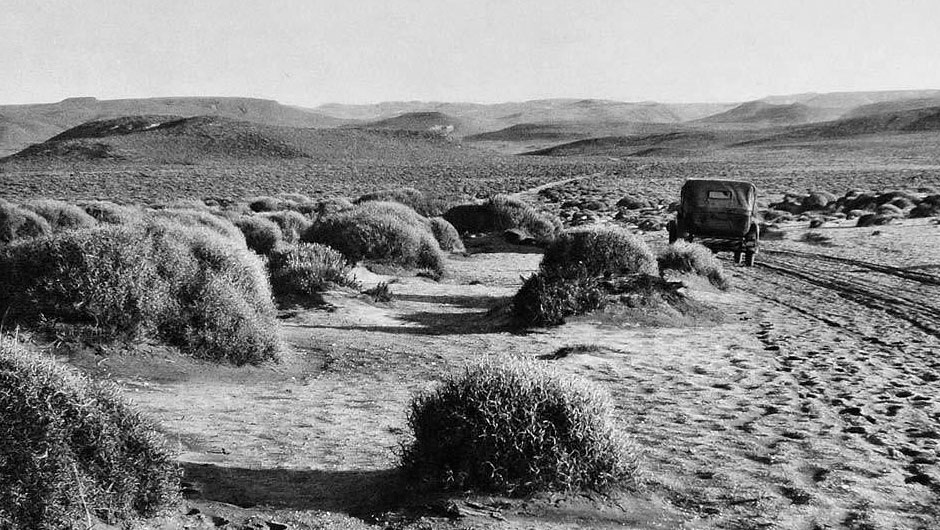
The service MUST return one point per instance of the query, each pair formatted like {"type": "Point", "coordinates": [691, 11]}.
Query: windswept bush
{"type": "Point", "coordinates": [446, 235]}
{"type": "Point", "coordinates": [261, 235]}
{"type": "Point", "coordinates": [333, 206]}
{"type": "Point", "coordinates": [502, 213]}
{"type": "Point", "coordinates": [107, 212]}
{"type": "Point", "coordinates": [583, 270]}
{"type": "Point", "coordinates": [308, 268]}
{"type": "Point", "coordinates": [292, 224]}
{"type": "Point", "coordinates": [61, 215]}
{"type": "Point", "coordinates": [19, 223]}
{"type": "Point", "coordinates": [599, 251]}
{"type": "Point", "coordinates": [204, 219]}
{"type": "Point", "coordinates": [410, 197]}
{"type": "Point", "coordinates": [266, 204]}
{"type": "Point", "coordinates": [686, 258]}
{"type": "Point", "coordinates": [516, 427]}
{"type": "Point", "coordinates": [547, 299]}
{"type": "Point", "coordinates": [381, 232]}
{"type": "Point", "coordinates": [186, 285]}
{"type": "Point", "coordinates": [70, 447]}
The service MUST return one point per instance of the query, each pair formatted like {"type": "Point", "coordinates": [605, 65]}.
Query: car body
{"type": "Point", "coordinates": [719, 214]}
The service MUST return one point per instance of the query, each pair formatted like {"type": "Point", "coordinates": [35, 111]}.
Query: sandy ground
{"type": "Point", "coordinates": [813, 405]}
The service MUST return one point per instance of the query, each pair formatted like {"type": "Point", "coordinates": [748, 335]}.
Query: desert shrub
{"type": "Point", "coordinates": [816, 238]}
{"type": "Point", "coordinates": [292, 223]}
{"type": "Point", "coordinates": [817, 200]}
{"type": "Point", "coordinates": [308, 268]}
{"type": "Point", "coordinates": [381, 232]}
{"type": "Point", "coordinates": [548, 299]}
{"type": "Point", "coordinates": [107, 212]}
{"type": "Point", "coordinates": [204, 219]}
{"type": "Point", "coordinates": [446, 235]}
{"type": "Point", "coordinates": [501, 213]}
{"type": "Point", "coordinates": [693, 258]}
{"type": "Point", "coordinates": [188, 286]}
{"type": "Point", "coordinates": [410, 197]}
{"type": "Point", "coordinates": [380, 293]}
{"type": "Point", "coordinates": [333, 205]}
{"type": "Point", "coordinates": [70, 447]}
{"type": "Point", "coordinates": [218, 303]}
{"type": "Point", "coordinates": [185, 204]}
{"type": "Point", "coordinates": [927, 207]}
{"type": "Point", "coordinates": [266, 204]}
{"type": "Point", "coordinates": [261, 234]}
{"type": "Point", "coordinates": [518, 428]}
{"type": "Point", "coordinates": [889, 210]}
{"type": "Point", "coordinates": [872, 219]}
{"type": "Point", "coordinates": [633, 203]}
{"type": "Point", "coordinates": [599, 251]}
{"type": "Point", "coordinates": [101, 277]}
{"type": "Point", "coordinates": [61, 215]}
{"type": "Point", "coordinates": [18, 223]}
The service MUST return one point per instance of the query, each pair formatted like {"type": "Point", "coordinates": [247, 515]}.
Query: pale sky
{"type": "Point", "coordinates": [308, 52]}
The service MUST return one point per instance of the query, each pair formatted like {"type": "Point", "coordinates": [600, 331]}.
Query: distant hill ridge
{"type": "Point", "coordinates": [175, 140]}
{"type": "Point", "coordinates": [22, 125]}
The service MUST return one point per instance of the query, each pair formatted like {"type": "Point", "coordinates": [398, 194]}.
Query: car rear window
{"type": "Point", "coordinates": [719, 194]}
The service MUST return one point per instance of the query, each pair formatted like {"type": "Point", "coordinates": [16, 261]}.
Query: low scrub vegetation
{"type": "Point", "coordinates": [72, 449]}
{"type": "Point", "coordinates": [692, 258]}
{"type": "Point", "coordinates": [107, 212]}
{"type": "Point", "coordinates": [292, 224]}
{"type": "Point", "coordinates": [517, 428]}
{"type": "Point", "coordinates": [599, 252]}
{"type": "Point", "coordinates": [261, 235]}
{"type": "Point", "coordinates": [382, 232]}
{"type": "Point", "coordinates": [410, 197]}
{"type": "Point", "coordinates": [446, 235]}
{"type": "Point", "coordinates": [61, 215]}
{"type": "Point", "coordinates": [187, 285]}
{"type": "Point", "coordinates": [502, 213]}
{"type": "Point", "coordinates": [19, 223]}
{"type": "Point", "coordinates": [584, 270]}
{"type": "Point", "coordinates": [308, 268]}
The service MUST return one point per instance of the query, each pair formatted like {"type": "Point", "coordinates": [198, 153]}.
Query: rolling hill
{"type": "Point", "coordinates": [665, 144]}
{"type": "Point", "coordinates": [22, 125]}
{"type": "Point", "coordinates": [176, 140]}
{"type": "Point", "coordinates": [425, 121]}
{"type": "Point", "coordinates": [885, 123]}
{"type": "Point", "coordinates": [768, 114]}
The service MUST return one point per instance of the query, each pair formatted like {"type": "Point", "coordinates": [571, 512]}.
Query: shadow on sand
{"type": "Point", "coordinates": [360, 494]}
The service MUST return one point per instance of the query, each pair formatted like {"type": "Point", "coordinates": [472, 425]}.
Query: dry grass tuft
{"type": "Point", "coordinates": [72, 449]}
{"type": "Point", "coordinates": [693, 258]}
{"type": "Point", "coordinates": [19, 223]}
{"type": "Point", "coordinates": [382, 232]}
{"type": "Point", "coordinates": [261, 235]}
{"type": "Point", "coordinates": [502, 213]}
{"type": "Point", "coordinates": [305, 269]}
{"type": "Point", "coordinates": [61, 215]}
{"type": "Point", "coordinates": [516, 427]}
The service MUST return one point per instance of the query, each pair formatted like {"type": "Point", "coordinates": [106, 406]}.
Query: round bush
{"type": "Point", "coordinates": [61, 215]}
{"type": "Point", "coordinates": [446, 235]}
{"type": "Point", "coordinates": [599, 251]}
{"type": "Point", "coordinates": [292, 224]}
{"type": "Point", "coordinates": [502, 213]}
{"type": "Point", "coordinates": [68, 445]}
{"type": "Point", "coordinates": [382, 232]}
{"type": "Point", "coordinates": [308, 268]}
{"type": "Point", "coordinates": [333, 205]}
{"type": "Point", "coordinates": [107, 212]}
{"type": "Point", "coordinates": [517, 428]}
{"type": "Point", "coordinates": [548, 299]}
{"type": "Point", "coordinates": [410, 197]}
{"type": "Point", "coordinates": [266, 204]}
{"type": "Point", "coordinates": [261, 235]}
{"type": "Point", "coordinates": [188, 286]}
{"type": "Point", "coordinates": [693, 258]}
{"type": "Point", "coordinates": [18, 223]}
{"type": "Point", "coordinates": [204, 219]}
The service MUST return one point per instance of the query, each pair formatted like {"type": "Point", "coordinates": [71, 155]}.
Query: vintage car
{"type": "Point", "coordinates": [719, 214]}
